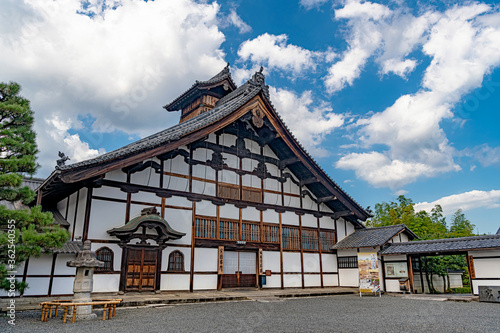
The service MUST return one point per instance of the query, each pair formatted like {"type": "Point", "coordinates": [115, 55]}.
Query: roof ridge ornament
{"type": "Point", "coordinates": [258, 79]}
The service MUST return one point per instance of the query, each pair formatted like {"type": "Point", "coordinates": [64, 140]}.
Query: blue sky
{"type": "Point", "coordinates": [393, 97]}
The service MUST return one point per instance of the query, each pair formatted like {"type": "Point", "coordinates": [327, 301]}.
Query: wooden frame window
{"type": "Point", "coordinates": [250, 232]}
{"type": "Point", "coordinates": [229, 229]}
{"type": "Point", "coordinates": [105, 254]}
{"type": "Point", "coordinates": [327, 238]}
{"type": "Point", "coordinates": [271, 233]}
{"type": "Point", "coordinates": [291, 238]}
{"type": "Point", "coordinates": [310, 240]}
{"type": "Point", "coordinates": [205, 227]}
{"type": "Point", "coordinates": [176, 261]}
{"type": "Point", "coordinates": [348, 262]}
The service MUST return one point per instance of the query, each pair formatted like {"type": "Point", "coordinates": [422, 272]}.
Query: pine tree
{"type": "Point", "coordinates": [29, 231]}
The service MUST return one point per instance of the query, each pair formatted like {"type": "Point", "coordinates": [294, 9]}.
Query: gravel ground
{"type": "Point", "coordinates": [316, 314]}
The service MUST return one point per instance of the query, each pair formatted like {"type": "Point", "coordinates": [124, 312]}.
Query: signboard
{"type": "Point", "coordinates": [268, 272]}
{"type": "Point", "coordinates": [220, 269]}
{"type": "Point", "coordinates": [260, 262]}
{"type": "Point", "coordinates": [396, 269]}
{"type": "Point", "coordinates": [472, 272]}
{"type": "Point", "coordinates": [368, 272]}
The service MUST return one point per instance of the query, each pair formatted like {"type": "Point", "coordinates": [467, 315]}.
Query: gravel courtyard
{"type": "Point", "coordinates": [316, 314]}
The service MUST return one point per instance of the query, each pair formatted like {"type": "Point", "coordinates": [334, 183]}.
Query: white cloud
{"type": "Point", "coordinates": [484, 154]}
{"type": "Point", "coordinates": [236, 20]}
{"type": "Point", "coordinates": [464, 201]}
{"type": "Point", "coordinates": [273, 52]}
{"type": "Point", "coordinates": [463, 50]}
{"type": "Point", "coordinates": [309, 4]}
{"type": "Point", "coordinates": [120, 66]}
{"type": "Point", "coordinates": [309, 124]}
{"type": "Point", "coordinates": [364, 10]}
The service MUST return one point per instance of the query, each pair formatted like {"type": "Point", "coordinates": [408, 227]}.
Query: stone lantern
{"type": "Point", "coordinates": [85, 264]}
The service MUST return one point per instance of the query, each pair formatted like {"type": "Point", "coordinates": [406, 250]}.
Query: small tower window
{"type": "Point", "coordinates": [176, 261]}
{"type": "Point", "coordinates": [105, 255]}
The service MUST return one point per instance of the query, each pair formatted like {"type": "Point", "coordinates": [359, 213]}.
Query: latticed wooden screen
{"type": "Point", "coordinates": [348, 262]}
{"type": "Point", "coordinates": [271, 233]}
{"type": "Point", "coordinates": [229, 230]}
{"type": "Point", "coordinates": [229, 191]}
{"type": "Point", "coordinates": [205, 227]}
{"type": "Point", "coordinates": [309, 239]}
{"type": "Point", "coordinates": [250, 232]}
{"type": "Point", "coordinates": [176, 262]}
{"type": "Point", "coordinates": [291, 239]}
{"type": "Point", "coordinates": [251, 194]}
{"type": "Point", "coordinates": [105, 255]}
{"type": "Point", "coordinates": [327, 240]}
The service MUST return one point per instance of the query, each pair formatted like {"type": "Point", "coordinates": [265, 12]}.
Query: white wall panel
{"type": "Point", "coordinates": [147, 177]}
{"type": "Point", "coordinates": [273, 170]}
{"type": "Point", "coordinates": [61, 268]}
{"type": "Point", "coordinates": [392, 285]}
{"type": "Point", "coordinates": [61, 206]}
{"type": "Point", "coordinates": [146, 197]}
{"type": "Point", "coordinates": [251, 181]}
{"type": "Point", "coordinates": [312, 280]}
{"type": "Point", "coordinates": [477, 283]}
{"type": "Point", "coordinates": [206, 208]}
{"type": "Point", "coordinates": [487, 268]}
{"type": "Point", "coordinates": [268, 152]}
{"type": "Point", "coordinates": [179, 201]}
{"type": "Point", "coordinates": [117, 175]}
{"type": "Point", "coordinates": [309, 220]}
{"type": "Point", "coordinates": [40, 266]}
{"type": "Point", "coordinates": [204, 282]}
{"type": "Point", "coordinates": [291, 262]}
{"type": "Point", "coordinates": [36, 286]}
{"type": "Point", "coordinates": [252, 146]}
{"type": "Point", "coordinates": [106, 283]}
{"type": "Point", "coordinates": [329, 262]}
{"type": "Point", "coordinates": [249, 164]}
{"type": "Point", "coordinates": [106, 215]}
{"type": "Point", "coordinates": [231, 161]}
{"type": "Point", "coordinates": [401, 257]}
{"type": "Point", "coordinates": [203, 188]}
{"type": "Point", "coordinates": [330, 280]}
{"type": "Point", "coordinates": [229, 211]}
{"type": "Point", "coordinates": [229, 177]}
{"type": "Point", "coordinates": [204, 172]}
{"type": "Point", "coordinates": [202, 154]}
{"type": "Point", "coordinates": [174, 282]}
{"type": "Point", "coordinates": [325, 208]}
{"type": "Point", "coordinates": [117, 253]}
{"type": "Point", "coordinates": [289, 218]}
{"type": "Point", "coordinates": [292, 280]}
{"type": "Point", "coordinates": [404, 237]}
{"type": "Point", "coordinates": [176, 183]}
{"type": "Point", "coordinates": [347, 253]}
{"type": "Point", "coordinates": [109, 192]}
{"type": "Point", "coordinates": [62, 286]}
{"type": "Point", "coordinates": [350, 228]}
{"type": "Point", "coordinates": [311, 262]}
{"type": "Point", "coordinates": [227, 140]}
{"type": "Point", "coordinates": [273, 281]}
{"type": "Point", "coordinates": [166, 253]}
{"type": "Point", "coordinates": [349, 277]}
{"type": "Point", "coordinates": [82, 200]}
{"type": "Point", "coordinates": [177, 165]}
{"type": "Point", "coordinates": [307, 203]}
{"type": "Point", "coordinates": [327, 222]}
{"type": "Point", "coordinates": [250, 214]}
{"type": "Point", "coordinates": [180, 220]}
{"type": "Point", "coordinates": [270, 216]}
{"type": "Point", "coordinates": [212, 138]}
{"type": "Point", "coordinates": [271, 261]}
{"type": "Point", "coordinates": [486, 253]}
{"type": "Point", "coordinates": [205, 260]}
{"type": "Point", "coordinates": [272, 198]}
{"type": "Point", "coordinates": [292, 201]}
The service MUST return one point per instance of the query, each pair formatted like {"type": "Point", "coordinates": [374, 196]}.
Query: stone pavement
{"type": "Point", "coordinates": [152, 299]}
{"type": "Point", "coordinates": [439, 297]}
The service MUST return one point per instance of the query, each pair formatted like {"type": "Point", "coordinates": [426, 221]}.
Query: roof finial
{"type": "Point", "coordinates": [261, 69]}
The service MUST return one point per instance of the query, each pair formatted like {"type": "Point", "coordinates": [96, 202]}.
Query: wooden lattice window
{"type": "Point", "coordinates": [271, 233]}
{"type": "Point", "coordinates": [105, 254]}
{"type": "Point", "coordinates": [229, 230]}
{"type": "Point", "coordinates": [205, 227]}
{"type": "Point", "coordinates": [176, 261]}
{"type": "Point", "coordinates": [309, 240]}
{"type": "Point", "coordinates": [327, 240]}
{"type": "Point", "coordinates": [250, 232]}
{"type": "Point", "coordinates": [348, 262]}
{"type": "Point", "coordinates": [291, 239]}
{"type": "Point", "coordinates": [251, 194]}
{"type": "Point", "coordinates": [229, 191]}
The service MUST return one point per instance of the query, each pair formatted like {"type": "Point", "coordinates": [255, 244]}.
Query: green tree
{"type": "Point", "coordinates": [460, 225]}
{"type": "Point", "coordinates": [23, 232]}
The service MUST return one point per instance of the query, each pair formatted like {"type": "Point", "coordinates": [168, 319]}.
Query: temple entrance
{"type": "Point", "coordinates": [240, 269]}
{"type": "Point", "coordinates": [142, 269]}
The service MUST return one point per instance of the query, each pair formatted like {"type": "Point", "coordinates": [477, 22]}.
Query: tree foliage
{"type": "Point", "coordinates": [29, 231]}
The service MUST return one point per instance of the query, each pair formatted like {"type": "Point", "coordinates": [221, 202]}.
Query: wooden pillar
{"type": "Point", "coordinates": [383, 273]}
{"type": "Point", "coordinates": [410, 273]}
{"type": "Point", "coordinates": [75, 215]}
{"type": "Point", "coordinates": [281, 253]}
{"type": "Point", "coordinates": [470, 270]}
{"type": "Point", "coordinates": [129, 201]}
{"type": "Point", "coordinates": [86, 222]}
{"type": "Point", "coordinates": [51, 280]}
{"type": "Point", "coordinates": [319, 253]}
{"type": "Point", "coordinates": [301, 252]}
{"type": "Point", "coordinates": [25, 270]}
{"type": "Point", "coordinates": [422, 282]}
{"type": "Point", "coordinates": [217, 222]}
{"type": "Point", "coordinates": [241, 223]}
{"type": "Point", "coordinates": [190, 168]}
{"type": "Point", "coordinates": [191, 269]}
{"type": "Point", "coordinates": [39, 197]}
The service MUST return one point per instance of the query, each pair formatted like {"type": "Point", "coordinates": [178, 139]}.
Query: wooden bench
{"type": "Point", "coordinates": [109, 306]}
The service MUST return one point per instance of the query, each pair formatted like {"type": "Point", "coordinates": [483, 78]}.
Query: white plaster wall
{"type": "Point", "coordinates": [487, 268]}
{"type": "Point", "coordinates": [174, 282]}
{"type": "Point", "coordinates": [37, 286]}
{"type": "Point", "coordinates": [61, 206]}
{"type": "Point", "coordinates": [270, 216]}
{"type": "Point", "coordinates": [350, 228]}
{"type": "Point", "coordinates": [347, 253]}
{"type": "Point", "coordinates": [401, 257]}
{"type": "Point", "coordinates": [341, 229]}
{"type": "Point", "coordinates": [330, 280]}
{"type": "Point", "coordinates": [292, 280]}
{"type": "Point", "coordinates": [229, 212]}
{"type": "Point", "coordinates": [477, 283]}
{"type": "Point", "coordinates": [231, 161]}
{"type": "Point", "coordinates": [201, 154]}
{"type": "Point", "coordinates": [325, 208]}
{"type": "Point", "coordinates": [272, 184]}
{"type": "Point", "coordinates": [203, 188]}
{"type": "Point", "coordinates": [109, 192]}
{"type": "Point", "coordinates": [487, 253]}
{"type": "Point", "coordinates": [291, 201]}
{"type": "Point", "coordinates": [204, 281]}
{"type": "Point", "coordinates": [180, 220]}
{"type": "Point", "coordinates": [205, 260]}
{"type": "Point", "coordinates": [206, 208]}
{"type": "Point", "coordinates": [146, 198]}
{"type": "Point", "coordinates": [289, 218]}
{"type": "Point", "coordinates": [104, 216]}
{"type": "Point", "coordinates": [117, 253]}
{"type": "Point", "coordinates": [269, 152]}
{"type": "Point", "coordinates": [311, 262]}
{"type": "Point", "coordinates": [291, 262]}
{"type": "Point", "coordinates": [252, 146]}
{"type": "Point", "coordinates": [250, 214]}
{"type": "Point", "coordinates": [40, 266]}
{"type": "Point", "coordinates": [176, 183]}
{"type": "Point", "coordinates": [309, 220]}
{"type": "Point", "coordinates": [392, 286]}
{"type": "Point", "coordinates": [349, 277]}
{"type": "Point", "coordinates": [203, 171]}
{"type": "Point", "coordinates": [166, 253]}
{"type": "Point", "coordinates": [212, 138]}
{"type": "Point", "coordinates": [329, 262]}
{"type": "Point", "coordinates": [404, 237]}
{"type": "Point", "coordinates": [273, 170]}
{"type": "Point", "coordinates": [307, 203]}
{"type": "Point", "coordinates": [71, 211]}
{"type": "Point", "coordinates": [271, 261]}
{"type": "Point", "coordinates": [62, 286]}
{"type": "Point", "coordinates": [272, 198]}
{"type": "Point", "coordinates": [147, 177]}
{"type": "Point", "coordinates": [117, 175]}
{"type": "Point", "coordinates": [82, 202]}
{"type": "Point", "coordinates": [312, 280]}
{"type": "Point", "coordinates": [106, 282]}
{"type": "Point", "coordinates": [179, 201]}
{"type": "Point", "coordinates": [251, 181]}
{"type": "Point", "coordinates": [177, 165]}
{"type": "Point", "coordinates": [291, 187]}
{"type": "Point", "coordinates": [249, 165]}
{"type": "Point", "coordinates": [327, 222]}
{"type": "Point", "coordinates": [229, 177]}
{"type": "Point", "coordinates": [61, 268]}
{"type": "Point", "coordinates": [273, 281]}
{"type": "Point", "coordinates": [227, 140]}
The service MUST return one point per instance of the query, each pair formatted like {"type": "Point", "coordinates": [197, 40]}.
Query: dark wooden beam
{"type": "Point", "coordinates": [328, 198]}
{"type": "Point", "coordinates": [309, 181]}
{"type": "Point", "coordinates": [342, 213]}
{"type": "Point", "coordinates": [289, 161]}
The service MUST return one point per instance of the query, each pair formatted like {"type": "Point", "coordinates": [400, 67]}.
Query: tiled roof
{"type": "Point", "coordinates": [498, 232]}
{"type": "Point", "coordinates": [371, 237]}
{"type": "Point", "coordinates": [444, 245]}
{"type": "Point", "coordinates": [58, 218]}
{"type": "Point", "coordinates": [71, 247]}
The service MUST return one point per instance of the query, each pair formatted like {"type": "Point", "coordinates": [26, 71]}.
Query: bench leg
{"type": "Point", "coordinates": [114, 307]}
{"type": "Point", "coordinates": [74, 313]}
{"type": "Point", "coordinates": [65, 314]}
{"type": "Point", "coordinates": [104, 313]}
{"type": "Point", "coordinates": [43, 313]}
{"type": "Point", "coordinates": [50, 311]}
{"type": "Point", "coordinates": [57, 307]}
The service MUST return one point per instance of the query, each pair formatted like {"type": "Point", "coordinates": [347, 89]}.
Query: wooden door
{"type": "Point", "coordinates": [239, 269]}
{"type": "Point", "coordinates": [141, 269]}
